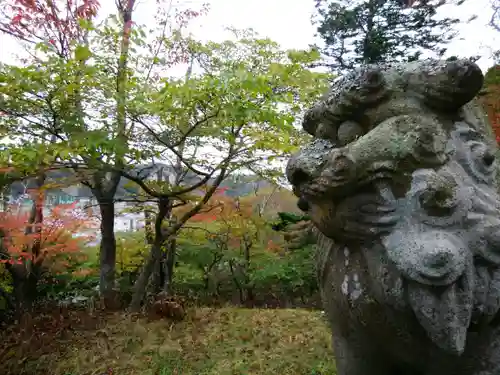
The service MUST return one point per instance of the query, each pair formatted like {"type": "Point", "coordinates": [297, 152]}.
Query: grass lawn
{"type": "Point", "coordinates": [210, 341]}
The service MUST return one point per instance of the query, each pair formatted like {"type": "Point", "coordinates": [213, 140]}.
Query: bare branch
{"type": "Point", "coordinates": [495, 17]}
{"type": "Point", "coordinates": [172, 149]}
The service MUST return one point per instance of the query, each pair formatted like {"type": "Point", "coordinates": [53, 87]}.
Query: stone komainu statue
{"type": "Point", "coordinates": [400, 183]}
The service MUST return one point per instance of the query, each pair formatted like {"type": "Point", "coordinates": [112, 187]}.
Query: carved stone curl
{"type": "Point", "coordinates": [400, 182]}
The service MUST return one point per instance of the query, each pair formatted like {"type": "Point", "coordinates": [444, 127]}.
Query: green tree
{"type": "Point", "coordinates": [74, 97]}
{"type": "Point", "coordinates": [373, 31]}
{"type": "Point", "coordinates": [107, 107]}
{"type": "Point", "coordinates": [237, 111]}
{"type": "Point", "coordinates": [28, 149]}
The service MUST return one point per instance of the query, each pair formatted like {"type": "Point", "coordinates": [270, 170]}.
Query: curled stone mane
{"type": "Point", "coordinates": [400, 183]}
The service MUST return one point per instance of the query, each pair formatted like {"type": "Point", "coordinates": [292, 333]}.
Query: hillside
{"type": "Point", "coordinates": [223, 341]}
{"type": "Point", "coordinates": [236, 185]}
{"type": "Point", "coordinates": [281, 199]}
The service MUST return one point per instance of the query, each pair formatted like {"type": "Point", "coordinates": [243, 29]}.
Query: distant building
{"type": "Point", "coordinates": [82, 195]}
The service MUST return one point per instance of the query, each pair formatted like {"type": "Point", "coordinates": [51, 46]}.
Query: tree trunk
{"type": "Point", "coordinates": [161, 278]}
{"type": "Point", "coordinates": [107, 251]}
{"type": "Point", "coordinates": [25, 276]}
{"type": "Point", "coordinates": [247, 253]}
{"type": "Point", "coordinates": [141, 284]}
{"type": "Point", "coordinates": [24, 282]}
{"type": "Point", "coordinates": [105, 184]}
{"type": "Point", "coordinates": [24, 288]}
{"type": "Point", "coordinates": [148, 226]}
{"type": "Point", "coordinates": [163, 270]}
{"type": "Point", "coordinates": [368, 49]}
{"type": "Point", "coordinates": [236, 282]}
{"type": "Point", "coordinates": [165, 207]}
{"type": "Point", "coordinates": [140, 287]}
{"type": "Point", "coordinates": [5, 198]}
{"type": "Point", "coordinates": [206, 280]}
{"type": "Point", "coordinates": [169, 264]}
{"type": "Point", "coordinates": [158, 275]}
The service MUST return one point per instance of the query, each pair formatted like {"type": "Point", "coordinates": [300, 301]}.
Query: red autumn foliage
{"type": "Point", "coordinates": [176, 51]}
{"type": "Point", "coordinates": [52, 21]}
{"type": "Point", "coordinates": [212, 209]}
{"type": "Point", "coordinates": [491, 100]}
{"type": "Point", "coordinates": [203, 217]}
{"type": "Point", "coordinates": [236, 222]}
{"type": "Point", "coordinates": [492, 107]}
{"type": "Point", "coordinates": [274, 247]}
{"type": "Point", "coordinates": [54, 235]}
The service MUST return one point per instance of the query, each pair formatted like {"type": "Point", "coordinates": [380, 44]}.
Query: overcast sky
{"type": "Point", "coordinates": [288, 23]}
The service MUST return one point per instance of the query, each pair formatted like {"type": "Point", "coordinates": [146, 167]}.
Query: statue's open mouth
{"type": "Point", "coordinates": [390, 152]}
{"type": "Point", "coordinates": [378, 184]}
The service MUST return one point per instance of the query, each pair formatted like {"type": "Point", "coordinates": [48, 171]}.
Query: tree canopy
{"type": "Point", "coordinates": [373, 31]}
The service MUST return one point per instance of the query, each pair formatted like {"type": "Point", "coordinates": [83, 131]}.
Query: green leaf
{"type": "Point", "coordinates": [82, 53]}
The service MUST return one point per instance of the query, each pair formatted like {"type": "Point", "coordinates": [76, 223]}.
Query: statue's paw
{"type": "Point", "coordinates": [486, 294]}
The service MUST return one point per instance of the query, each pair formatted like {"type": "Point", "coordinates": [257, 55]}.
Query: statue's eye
{"type": "Point", "coordinates": [441, 200]}
{"type": "Point", "coordinates": [440, 197]}
{"type": "Point", "coordinates": [488, 158]}
{"type": "Point", "coordinates": [348, 132]}
{"type": "Point", "coordinates": [481, 161]}
{"type": "Point", "coordinates": [482, 153]}
{"type": "Point", "coordinates": [325, 131]}
{"type": "Point", "coordinates": [438, 202]}
{"type": "Point", "coordinates": [475, 153]}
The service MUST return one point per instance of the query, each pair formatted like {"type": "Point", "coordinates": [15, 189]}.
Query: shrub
{"type": "Point", "coordinates": [204, 272]}
{"type": "Point", "coordinates": [274, 278]}
{"type": "Point", "coordinates": [291, 276]}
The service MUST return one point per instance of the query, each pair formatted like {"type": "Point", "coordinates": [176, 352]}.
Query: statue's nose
{"type": "Point", "coordinates": [305, 164]}
{"type": "Point", "coordinates": [303, 204]}
{"type": "Point", "coordinates": [433, 257]}
{"type": "Point", "coordinates": [298, 171]}
{"type": "Point", "coordinates": [298, 175]}
{"type": "Point", "coordinates": [439, 261]}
